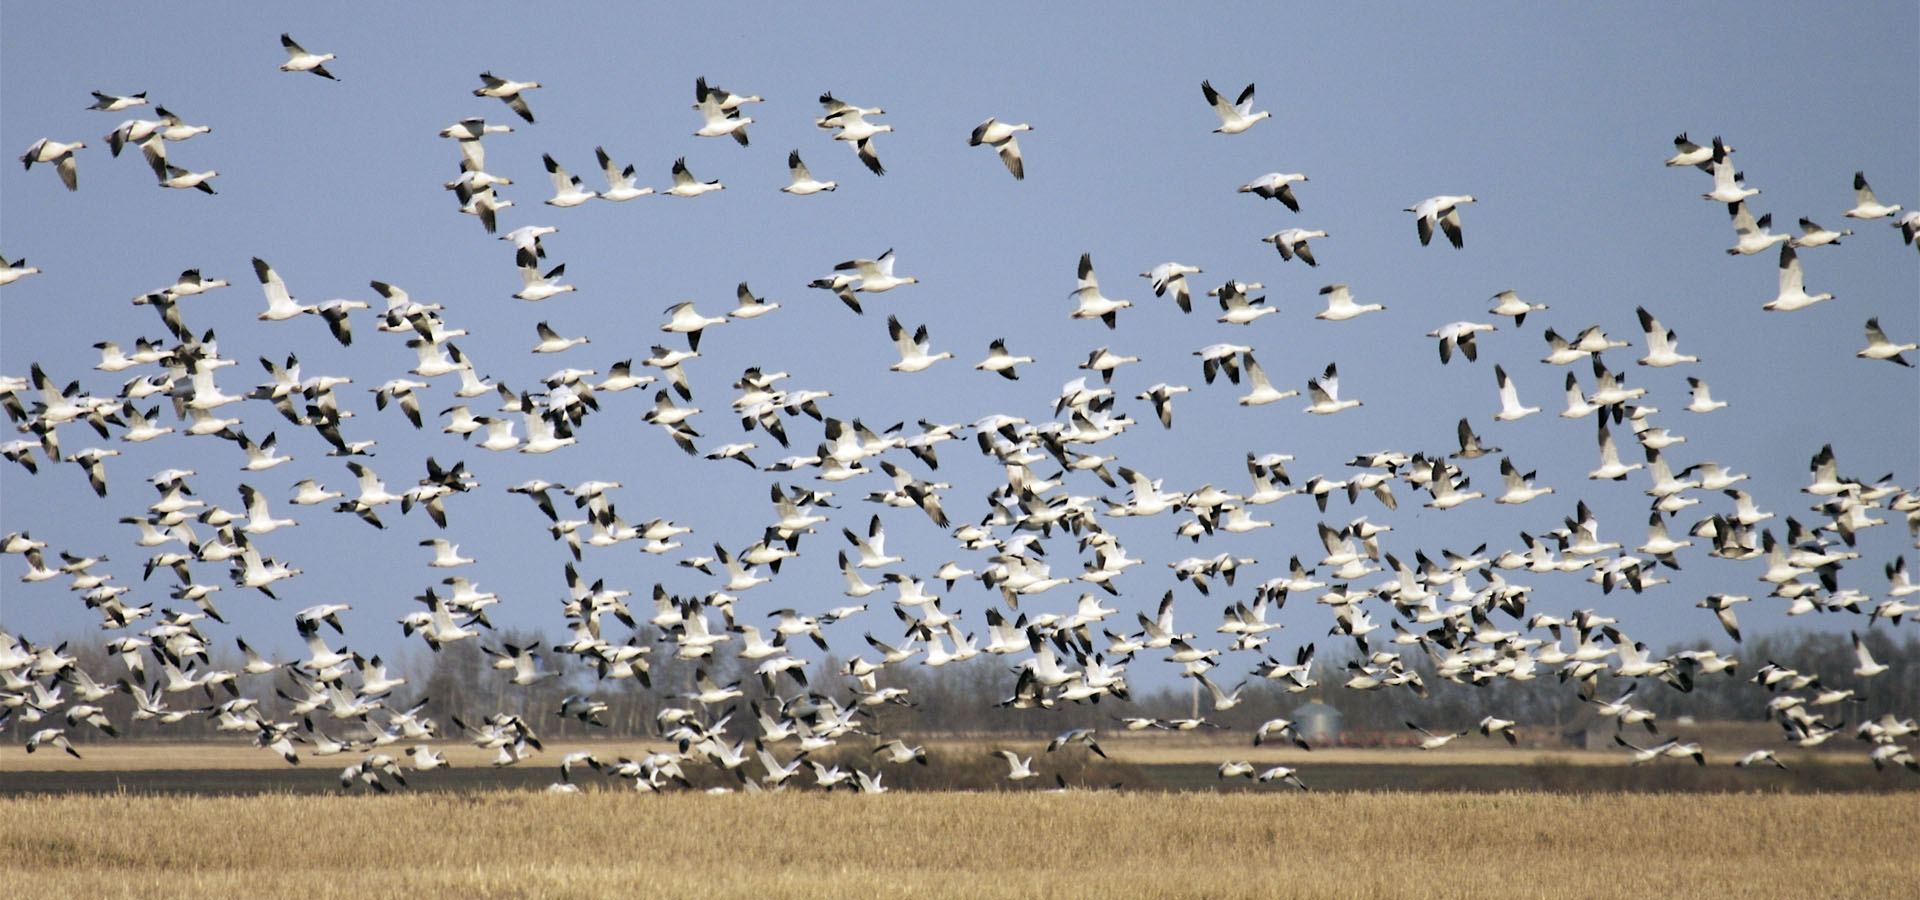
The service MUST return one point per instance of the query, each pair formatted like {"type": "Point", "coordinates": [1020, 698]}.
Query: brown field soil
{"type": "Point", "coordinates": [517, 844]}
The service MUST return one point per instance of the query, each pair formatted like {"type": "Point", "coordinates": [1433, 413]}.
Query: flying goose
{"type": "Point", "coordinates": [684, 184]}
{"type": "Point", "coordinates": [1433, 740]}
{"type": "Point", "coordinates": [875, 275]}
{"type": "Point", "coordinates": [113, 103]}
{"type": "Point", "coordinates": [1341, 306]}
{"type": "Point", "coordinates": [552, 342]}
{"type": "Point", "coordinates": [1726, 181]}
{"type": "Point", "coordinates": [1282, 773]}
{"type": "Point", "coordinates": [620, 182]}
{"type": "Point", "coordinates": [803, 182]}
{"type": "Point", "coordinates": [1508, 303]}
{"type": "Point", "coordinates": [1812, 235]}
{"type": "Point", "coordinates": [299, 60]}
{"type": "Point", "coordinates": [1238, 308]}
{"type": "Point", "coordinates": [567, 189]}
{"type": "Point", "coordinates": [1093, 305]}
{"type": "Point", "coordinates": [1660, 343]}
{"type": "Point", "coordinates": [1459, 335]}
{"type": "Point", "coordinates": [856, 131]}
{"type": "Point", "coordinates": [1292, 242]}
{"type": "Point", "coordinates": [1688, 153]}
{"type": "Point", "coordinates": [1325, 392]}
{"type": "Point", "coordinates": [534, 286]}
{"type": "Point", "coordinates": [280, 304]}
{"type": "Point", "coordinates": [1793, 292]}
{"type": "Point", "coordinates": [1753, 236]}
{"type": "Point", "coordinates": [1172, 276]}
{"type": "Point", "coordinates": [1000, 136]}
{"type": "Point", "coordinates": [508, 92]}
{"type": "Point", "coordinates": [1865, 205]}
{"type": "Point", "coordinates": [720, 112]}
{"type": "Point", "coordinates": [182, 179]}
{"type": "Point", "coordinates": [1276, 186]}
{"type": "Point", "coordinates": [1510, 408]}
{"type": "Point", "coordinates": [1236, 116]}
{"type": "Point", "coordinates": [15, 270]}
{"type": "Point", "coordinates": [1000, 361]}
{"type": "Point", "coordinates": [1443, 211]}
{"type": "Point", "coordinates": [914, 349]}
{"type": "Point", "coordinates": [1262, 390]}
{"type": "Point", "coordinates": [60, 155]}
{"type": "Point", "coordinates": [1879, 347]}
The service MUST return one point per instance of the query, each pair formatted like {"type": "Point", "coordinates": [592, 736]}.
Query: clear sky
{"type": "Point", "coordinates": [1556, 120]}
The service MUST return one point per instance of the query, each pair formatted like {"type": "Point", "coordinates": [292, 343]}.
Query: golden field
{"type": "Point", "coordinates": [524, 844]}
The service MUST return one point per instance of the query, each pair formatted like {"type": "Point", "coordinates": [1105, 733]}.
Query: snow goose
{"type": "Point", "coordinates": [1000, 361]}
{"type": "Point", "coordinates": [858, 133]}
{"type": "Point", "coordinates": [1018, 769]}
{"type": "Point", "coordinates": [1276, 186]}
{"type": "Point", "coordinates": [620, 182]}
{"type": "Point", "coordinates": [1879, 347]}
{"type": "Point", "coordinates": [1282, 773]}
{"type": "Point", "coordinates": [717, 118]}
{"type": "Point", "coordinates": [1236, 116]}
{"type": "Point", "coordinates": [1261, 390]}
{"type": "Point", "coordinates": [1091, 304]}
{"type": "Point", "coordinates": [262, 455]}
{"type": "Point", "coordinates": [1104, 361]}
{"type": "Point", "coordinates": [1238, 308]}
{"type": "Point", "coordinates": [747, 306]}
{"type": "Point", "coordinates": [1510, 408]}
{"type": "Point", "coordinates": [113, 103]}
{"type": "Point", "coordinates": [1341, 306]}
{"type": "Point", "coordinates": [914, 348]}
{"type": "Point", "coordinates": [12, 271]}
{"type": "Point", "coordinates": [1172, 276]}
{"type": "Point", "coordinates": [183, 179]}
{"type": "Point", "coordinates": [486, 205]}
{"type": "Point", "coordinates": [1434, 740]}
{"type": "Point", "coordinates": [1161, 396]}
{"type": "Point", "coordinates": [1292, 242]}
{"type": "Point", "coordinates": [1508, 303]}
{"type": "Point", "coordinates": [1909, 225]}
{"type": "Point", "coordinates": [803, 182]}
{"type": "Point", "coordinates": [507, 91]}
{"type": "Point", "coordinates": [1325, 392]}
{"type": "Point", "coordinates": [1726, 181]}
{"type": "Point", "coordinates": [1867, 666]}
{"type": "Point", "coordinates": [1610, 465]}
{"type": "Point", "coordinates": [1793, 290]}
{"type": "Point", "coordinates": [280, 304]}
{"type": "Point", "coordinates": [1661, 342]}
{"type": "Point", "coordinates": [60, 155]}
{"type": "Point", "coordinates": [535, 286]}
{"type": "Point", "coordinates": [684, 184]}
{"type": "Point", "coordinates": [1812, 235]}
{"type": "Point", "coordinates": [1442, 211]}
{"type": "Point", "coordinates": [875, 275]}
{"type": "Point", "coordinates": [1753, 236]}
{"type": "Point", "coordinates": [1000, 136]}
{"type": "Point", "coordinates": [1519, 488]}
{"type": "Point", "coordinates": [1459, 335]}
{"type": "Point", "coordinates": [552, 342]}
{"type": "Point", "coordinates": [299, 60]}
{"type": "Point", "coordinates": [1688, 153]}
{"type": "Point", "coordinates": [1865, 205]}
{"type": "Point", "coordinates": [567, 189]}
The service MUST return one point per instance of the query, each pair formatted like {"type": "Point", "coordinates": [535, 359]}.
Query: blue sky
{"type": "Point", "coordinates": [1557, 123]}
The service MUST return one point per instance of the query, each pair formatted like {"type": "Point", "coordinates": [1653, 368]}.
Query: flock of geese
{"type": "Point", "coordinates": [1462, 614]}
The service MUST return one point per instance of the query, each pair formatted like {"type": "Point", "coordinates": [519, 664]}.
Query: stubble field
{"type": "Point", "coordinates": [520, 844]}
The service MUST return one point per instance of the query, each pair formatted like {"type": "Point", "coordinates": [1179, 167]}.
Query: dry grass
{"type": "Point", "coordinates": [946, 845]}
